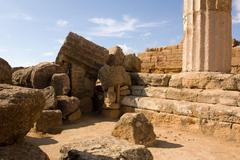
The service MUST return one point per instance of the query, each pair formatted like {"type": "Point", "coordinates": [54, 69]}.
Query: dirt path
{"type": "Point", "coordinates": [171, 144]}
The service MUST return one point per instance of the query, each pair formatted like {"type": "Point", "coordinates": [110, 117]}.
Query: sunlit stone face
{"type": "Point", "coordinates": [207, 35]}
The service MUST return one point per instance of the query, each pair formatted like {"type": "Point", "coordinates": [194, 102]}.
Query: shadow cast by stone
{"type": "Point", "coordinates": [41, 140]}
{"type": "Point", "coordinates": [165, 144]}
{"type": "Point", "coordinates": [86, 120]}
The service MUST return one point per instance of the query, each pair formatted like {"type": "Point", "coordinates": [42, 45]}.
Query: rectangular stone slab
{"type": "Point", "coordinates": [78, 50]}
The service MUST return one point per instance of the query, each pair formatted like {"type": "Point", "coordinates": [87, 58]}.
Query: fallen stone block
{"type": "Point", "coordinates": [75, 116]}
{"type": "Point", "coordinates": [50, 98]}
{"type": "Point", "coordinates": [22, 151]}
{"type": "Point", "coordinates": [111, 76]}
{"type": "Point", "coordinates": [42, 74]}
{"type": "Point", "coordinates": [132, 63]}
{"type": "Point", "coordinates": [50, 121]}
{"type": "Point", "coordinates": [135, 128]}
{"type": "Point", "coordinates": [61, 84]}
{"type": "Point", "coordinates": [116, 56]}
{"type": "Point", "coordinates": [104, 148]}
{"type": "Point", "coordinates": [19, 109]}
{"type": "Point", "coordinates": [67, 105]}
{"type": "Point", "coordinates": [22, 77]}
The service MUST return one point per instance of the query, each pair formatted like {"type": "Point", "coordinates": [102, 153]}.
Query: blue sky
{"type": "Point", "coordinates": [33, 31]}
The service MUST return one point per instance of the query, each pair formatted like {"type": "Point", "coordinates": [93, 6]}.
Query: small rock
{"type": "Point", "coordinates": [135, 128]}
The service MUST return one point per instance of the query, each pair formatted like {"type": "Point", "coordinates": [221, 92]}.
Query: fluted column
{"type": "Point", "coordinates": [207, 36]}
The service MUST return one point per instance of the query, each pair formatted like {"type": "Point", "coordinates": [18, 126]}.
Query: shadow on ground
{"type": "Point", "coordinates": [87, 120]}
{"type": "Point", "coordinates": [39, 141]}
{"type": "Point", "coordinates": [165, 144]}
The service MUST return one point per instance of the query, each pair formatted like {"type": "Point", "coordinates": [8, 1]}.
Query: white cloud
{"type": "Point", "coordinates": [147, 34]}
{"type": "Point", "coordinates": [62, 23]}
{"type": "Point", "coordinates": [108, 27]}
{"type": "Point", "coordinates": [126, 49]}
{"type": "Point", "coordinates": [48, 54]}
{"type": "Point", "coordinates": [236, 4]}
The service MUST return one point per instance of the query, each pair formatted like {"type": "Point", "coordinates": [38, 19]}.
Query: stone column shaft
{"type": "Point", "coordinates": [207, 36]}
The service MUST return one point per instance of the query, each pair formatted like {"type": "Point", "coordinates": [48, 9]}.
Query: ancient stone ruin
{"type": "Point", "coordinates": [193, 87]}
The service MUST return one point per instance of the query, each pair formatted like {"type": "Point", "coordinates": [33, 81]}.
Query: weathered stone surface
{"type": "Point", "coordinates": [6, 72]}
{"type": "Point", "coordinates": [135, 128]}
{"type": "Point", "coordinates": [22, 77]}
{"type": "Point", "coordinates": [213, 96]}
{"type": "Point", "coordinates": [75, 116]}
{"type": "Point", "coordinates": [42, 74]}
{"type": "Point", "coordinates": [111, 76]}
{"type": "Point", "coordinates": [221, 130]}
{"type": "Point", "coordinates": [61, 84]}
{"type": "Point", "coordinates": [67, 105]}
{"type": "Point", "coordinates": [132, 63]}
{"type": "Point", "coordinates": [22, 151]}
{"type": "Point", "coordinates": [220, 113]}
{"type": "Point", "coordinates": [19, 109]}
{"type": "Point", "coordinates": [81, 85]}
{"type": "Point", "coordinates": [50, 98]}
{"type": "Point", "coordinates": [104, 148]}
{"type": "Point", "coordinates": [93, 57]}
{"type": "Point", "coordinates": [116, 56]}
{"type": "Point", "coordinates": [200, 80]}
{"type": "Point", "coordinates": [162, 60]}
{"type": "Point", "coordinates": [86, 105]}
{"type": "Point", "coordinates": [50, 121]}
{"type": "Point", "coordinates": [205, 47]}
{"type": "Point", "coordinates": [146, 79]}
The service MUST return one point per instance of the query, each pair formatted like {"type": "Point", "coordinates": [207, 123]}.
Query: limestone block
{"type": "Point", "coordinates": [116, 56]}
{"type": "Point", "coordinates": [135, 128]}
{"type": "Point", "coordinates": [61, 84]}
{"type": "Point", "coordinates": [50, 121]}
{"type": "Point", "coordinates": [146, 79]}
{"type": "Point", "coordinates": [19, 109]}
{"type": "Point", "coordinates": [108, 148]}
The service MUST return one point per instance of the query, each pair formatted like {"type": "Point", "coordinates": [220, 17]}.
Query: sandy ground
{"type": "Point", "coordinates": [171, 144]}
